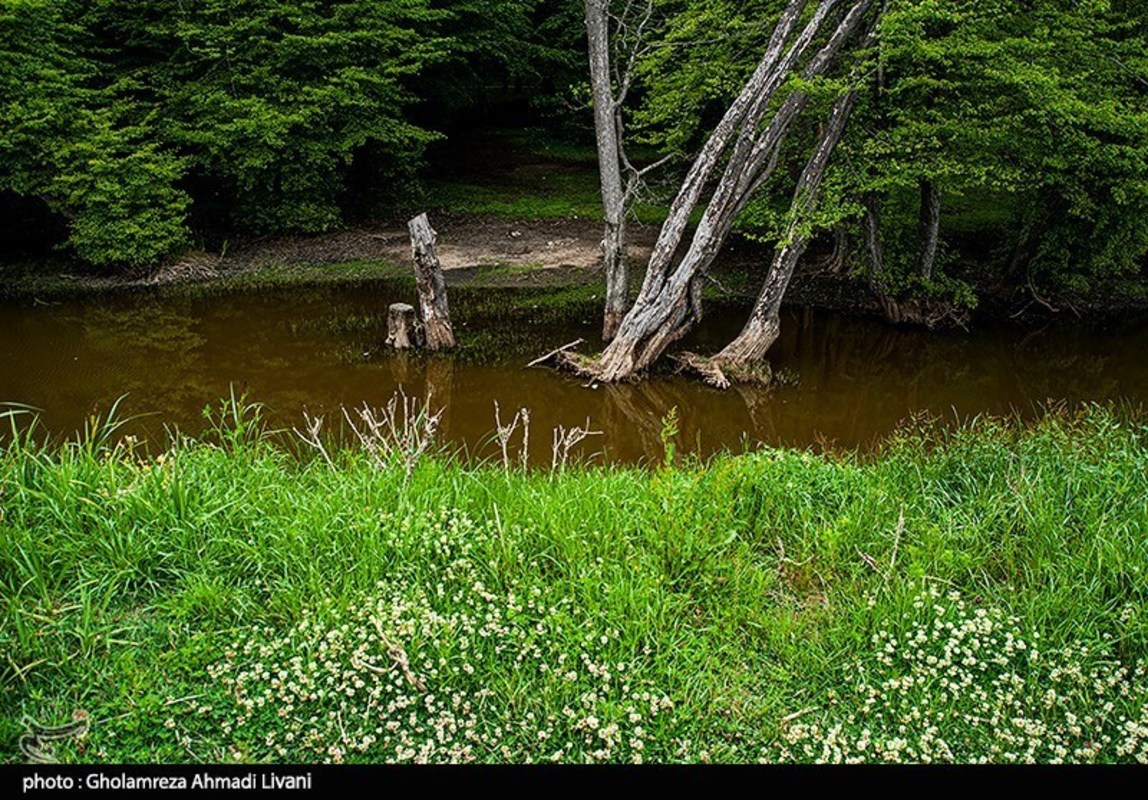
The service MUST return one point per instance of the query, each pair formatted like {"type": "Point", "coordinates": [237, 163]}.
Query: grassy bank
{"type": "Point", "coordinates": [532, 174]}
{"type": "Point", "coordinates": [967, 595]}
{"type": "Point", "coordinates": [61, 280]}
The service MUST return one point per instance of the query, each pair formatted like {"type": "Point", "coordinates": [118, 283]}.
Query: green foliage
{"type": "Point", "coordinates": [275, 98]}
{"type": "Point", "coordinates": [124, 201]}
{"type": "Point", "coordinates": [1041, 106]}
{"type": "Point", "coordinates": [146, 126]}
{"type": "Point", "coordinates": [700, 62]}
{"type": "Point", "coordinates": [69, 141]}
{"type": "Point", "coordinates": [1042, 101]}
{"type": "Point", "coordinates": [136, 121]}
{"type": "Point", "coordinates": [503, 47]}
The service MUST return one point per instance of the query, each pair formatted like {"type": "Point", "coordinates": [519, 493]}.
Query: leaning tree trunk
{"type": "Point", "coordinates": [764, 324]}
{"type": "Point", "coordinates": [928, 227]}
{"type": "Point", "coordinates": [431, 285]}
{"type": "Point", "coordinates": [740, 120]}
{"type": "Point", "coordinates": [669, 303]}
{"type": "Point", "coordinates": [609, 167]}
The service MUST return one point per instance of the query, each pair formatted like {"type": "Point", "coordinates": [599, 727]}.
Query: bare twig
{"type": "Point", "coordinates": [504, 433]}
{"type": "Point", "coordinates": [568, 346]}
{"type": "Point", "coordinates": [399, 656]}
{"type": "Point", "coordinates": [796, 714]}
{"type": "Point", "coordinates": [565, 439]}
{"type": "Point", "coordinates": [312, 436]}
{"type": "Point", "coordinates": [403, 428]}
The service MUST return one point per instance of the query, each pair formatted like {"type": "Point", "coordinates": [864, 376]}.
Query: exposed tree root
{"type": "Point", "coordinates": [713, 371]}
{"type": "Point", "coordinates": [722, 374]}
{"type": "Point", "coordinates": [925, 312]}
{"type": "Point", "coordinates": [705, 368]}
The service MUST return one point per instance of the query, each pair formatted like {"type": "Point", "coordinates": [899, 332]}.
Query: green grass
{"type": "Point", "coordinates": [50, 280]}
{"type": "Point", "coordinates": [543, 176]}
{"type": "Point", "coordinates": [234, 599]}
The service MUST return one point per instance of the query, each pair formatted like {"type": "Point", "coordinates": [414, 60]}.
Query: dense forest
{"type": "Point", "coordinates": [140, 131]}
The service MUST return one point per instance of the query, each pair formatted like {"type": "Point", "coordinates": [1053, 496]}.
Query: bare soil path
{"type": "Point", "coordinates": [463, 241]}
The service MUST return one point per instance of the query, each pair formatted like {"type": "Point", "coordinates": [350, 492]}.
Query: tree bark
{"type": "Point", "coordinates": [431, 285]}
{"type": "Point", "coordinates": [606, 130]}
{"type": "Point", "coordinates": [928, 227]}
{"type": "Point", "coordinates": [875, 253]}
{"type": "Point", "coordinates": [839, 259]}
{"type": "Point", "coordinates": [669, 303]}
{"type": "Point", "coordinates": [764, 324]}
{"type": "Point", "coordinates": [402, 326]}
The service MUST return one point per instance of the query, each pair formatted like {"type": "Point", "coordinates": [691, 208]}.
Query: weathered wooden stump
{"type": "Point", "coordinates": [402, 326]}
{"type": "Point", "coordinates": [431, 285]}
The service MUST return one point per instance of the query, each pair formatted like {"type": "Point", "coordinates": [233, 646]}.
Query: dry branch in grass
{"type": "Point", "coordinates": [565, 439]}
{"type": "Point", "coordinates": [403, 428]}
{"type": "Point", "coordinates": [504, 433]}
{"type": "Point", "coordinates": [312, 436]}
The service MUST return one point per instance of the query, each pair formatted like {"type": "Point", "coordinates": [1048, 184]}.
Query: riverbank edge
{"type": "Point", "coordinates": [732, 278]}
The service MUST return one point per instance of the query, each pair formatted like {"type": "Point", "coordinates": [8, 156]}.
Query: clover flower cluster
{"type": "Point", "coordinates": [440, 667]}
{"type": "Point", "coordinates": [966, 685]}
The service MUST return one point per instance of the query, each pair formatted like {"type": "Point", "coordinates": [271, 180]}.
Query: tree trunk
{"type": "Point", "coordinates": [668, 305]}
{"type": "Point", "coordinates": [875, 254]}
{"type": "Point", "coordinates": [764, 324]}
{"type": "Point", "coordinates": [609, 167]}
{"type": "Point", "coordinates": [617, 277]}
{"type": "Point", "coordinates": [839, 258]}
{"type": "Point", "coordinates": [402, 326]}
{"type": "Point", "coordinates": [928, 227]}
{"type": "Point", "coordinates": [431, 285]}
{"type": "Point", "coordinates": [875, 272]}
{"type": "Point", "coordinates": [758, 90]}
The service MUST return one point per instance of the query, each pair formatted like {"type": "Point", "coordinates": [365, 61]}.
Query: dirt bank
{"type": "Point", "coordinates": [463, 241]}
{"type": "Point", "coordinates": [542, 251]}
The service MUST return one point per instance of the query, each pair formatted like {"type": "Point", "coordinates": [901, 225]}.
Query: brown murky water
{"type": "Point", "coordinates": [850, 380]}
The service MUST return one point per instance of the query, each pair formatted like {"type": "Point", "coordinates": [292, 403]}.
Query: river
{"type": "Point", "coordinates": [846, 381]}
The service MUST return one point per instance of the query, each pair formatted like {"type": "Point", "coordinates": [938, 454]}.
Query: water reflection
{"type": "Point", "coordinates": [849, 380]}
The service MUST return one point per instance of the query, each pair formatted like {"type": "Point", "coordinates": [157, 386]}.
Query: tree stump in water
{"type": "Point", "coordinates": [431, 285]}
{"type": "Point", "coordinates": [402, 326]}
